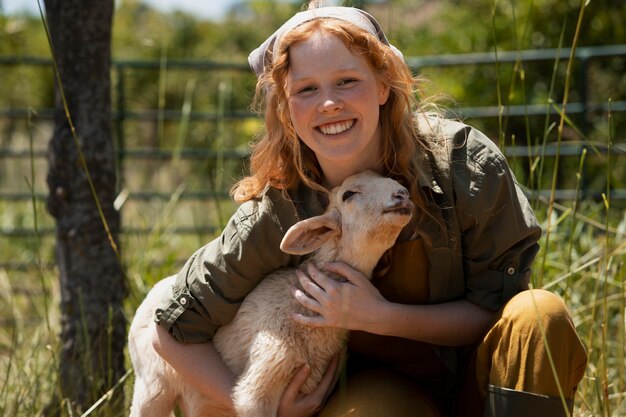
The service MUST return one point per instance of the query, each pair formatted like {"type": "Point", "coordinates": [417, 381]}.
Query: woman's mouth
{"type": "Point", "coordinates": [336, 128]}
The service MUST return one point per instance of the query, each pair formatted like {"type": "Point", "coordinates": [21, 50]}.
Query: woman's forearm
{"type": "Point", "coordinates": [455, 323]}
{"type": "Point", "coordinates": [358, 305]}
{"type": "Point", "coordinates": [199, 364]}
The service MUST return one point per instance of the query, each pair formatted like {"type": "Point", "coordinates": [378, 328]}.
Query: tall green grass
{"type": "Point", "coordinates": [582, 258]}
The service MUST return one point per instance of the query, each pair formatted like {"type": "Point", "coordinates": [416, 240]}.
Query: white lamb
{"type": "Point", "coordinates": [263, 346]}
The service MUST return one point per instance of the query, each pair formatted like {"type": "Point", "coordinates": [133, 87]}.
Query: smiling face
{"type": "Point", "coordinates": [334, 98]}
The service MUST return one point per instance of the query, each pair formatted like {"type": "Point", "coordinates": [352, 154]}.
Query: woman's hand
{"type": "Point", "coordinates": [296, 404]}
{"type": "Point", "coordinates": [358, 305]}
{"type": "Point", "coordinates": [347, 305]}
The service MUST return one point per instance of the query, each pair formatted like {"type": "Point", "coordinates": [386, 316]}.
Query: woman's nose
{"type": "Point", "coordinates": [329, 102]}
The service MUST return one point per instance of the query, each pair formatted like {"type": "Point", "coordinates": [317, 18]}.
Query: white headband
{"type": "Point", "coordinates": [260, 57]}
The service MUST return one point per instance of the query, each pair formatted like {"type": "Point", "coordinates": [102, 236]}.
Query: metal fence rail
{"type": "Point", "coordinates": [582, 54]}
{"type": "Point", "coordinates": [569, 149]}
{"type": "Point", "coordinates": [122, 114]}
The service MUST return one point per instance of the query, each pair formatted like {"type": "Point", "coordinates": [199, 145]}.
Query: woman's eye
{"type": "Point", "coordinates": [347, 194]}
{"type": "Point", "coordinates": [348, 81]}
{"type": "Point", "coordinates": [306, 90]}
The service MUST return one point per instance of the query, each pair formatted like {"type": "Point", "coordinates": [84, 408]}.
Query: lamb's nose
{"type": "Point", "coordinates": [400, 195]}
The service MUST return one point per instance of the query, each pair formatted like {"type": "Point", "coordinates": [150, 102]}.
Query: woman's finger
{"type": "Point", "coordinates": [329, 378]}
{"type": "Point", "coordinates": [306, 301]}
{"type": "Point", "coordinates": [310, 286]}
{"type": "Point", "coordinates": [317, 397]}
{"type": "Point", "coordinates": [313, 321]}
{"type": "Point", "coordinates": [293, 389]}
{"type": "Point", "coordinates": [321, 279]}
{"type": "Point", "coordinates": [341, 268]}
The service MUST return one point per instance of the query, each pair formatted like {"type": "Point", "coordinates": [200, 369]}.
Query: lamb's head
{"type": "Point", "coordinates": [364, 218]}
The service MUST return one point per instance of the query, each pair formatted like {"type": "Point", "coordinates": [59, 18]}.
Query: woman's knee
{"type": "Point", "coordinates": [538, 307]}
{"type": "Point", "coordinates": [535, 329]}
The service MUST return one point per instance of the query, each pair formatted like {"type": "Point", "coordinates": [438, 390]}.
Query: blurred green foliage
{"type": "Point", "coordinates": [423, 27]}
{"type": "Point", "coordinates": [417, 27]}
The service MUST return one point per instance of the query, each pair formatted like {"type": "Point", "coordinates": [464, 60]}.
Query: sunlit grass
{"type": "Point", "coordinates": [582, 258]}
{"type": "Point", "coordinates": [590, 279]}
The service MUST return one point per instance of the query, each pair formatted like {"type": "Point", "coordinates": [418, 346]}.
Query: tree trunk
{"type": "Point", "coordinates": [93, 328]}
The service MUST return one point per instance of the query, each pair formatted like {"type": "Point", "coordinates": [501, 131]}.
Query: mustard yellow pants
{"type": "Point", "coordinates": [512, 354]}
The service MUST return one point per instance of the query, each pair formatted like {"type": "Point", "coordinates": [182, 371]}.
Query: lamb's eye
{"type": "Point", "coordinates": [346, 195]}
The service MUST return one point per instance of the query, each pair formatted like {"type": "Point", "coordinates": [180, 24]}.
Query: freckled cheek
{"type": "Point", "coordinates": [363, 97]}
{"type": "Point", "coordinates": [295, 106]}
{"type": "Point", "coordinates": [299, 111]}
{"type": "Point", "coordinates": [358, 93]}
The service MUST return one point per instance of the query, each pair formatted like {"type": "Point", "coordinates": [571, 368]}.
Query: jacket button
{"type": "Point", "coordinates": [183, 301]}
{"type": "Point", "coordinates": [510, 270]}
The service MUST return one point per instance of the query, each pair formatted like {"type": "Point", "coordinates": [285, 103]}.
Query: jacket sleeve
{"type": "Point", "coordinates": [499, 230]}
{"type": "Point", "coordinates": [212, 284]}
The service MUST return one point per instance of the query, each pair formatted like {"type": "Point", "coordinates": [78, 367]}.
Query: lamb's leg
{"type": "Point", "coordinates": [261, 387]}
{"type": "Point", "coordinates": [154, 392]}
{"type": "Point", "coordinates": [147, 403]}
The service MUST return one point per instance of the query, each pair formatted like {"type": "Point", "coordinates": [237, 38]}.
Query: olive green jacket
{"type": "Point", "coordinates": [479, 232]}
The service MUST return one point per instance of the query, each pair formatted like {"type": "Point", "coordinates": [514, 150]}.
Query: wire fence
{"type": "Point", "coordinates": [129, 155]}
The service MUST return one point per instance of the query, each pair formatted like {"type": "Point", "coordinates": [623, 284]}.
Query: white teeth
{"type": "Point", "coordinates": [335, 128]}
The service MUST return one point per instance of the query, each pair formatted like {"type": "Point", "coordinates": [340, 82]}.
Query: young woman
{"type": "Point", "coordinates": [447, 325]}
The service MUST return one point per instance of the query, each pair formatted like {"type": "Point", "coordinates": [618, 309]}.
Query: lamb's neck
{"type": "Point", "coordinates": [364, 261]}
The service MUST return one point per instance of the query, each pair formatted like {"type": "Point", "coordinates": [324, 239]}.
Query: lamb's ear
{"type": "Point", "coordinates": [308, 235]}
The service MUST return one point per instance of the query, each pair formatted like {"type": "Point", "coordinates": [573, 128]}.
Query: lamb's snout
{"type": "Point", "coordinates": [401, 196]}
{"type": "Point", "coordinates": [400, 202]}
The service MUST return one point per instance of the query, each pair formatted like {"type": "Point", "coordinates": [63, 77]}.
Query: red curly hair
{"type": "Point", "coordinates": [280, 159]}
